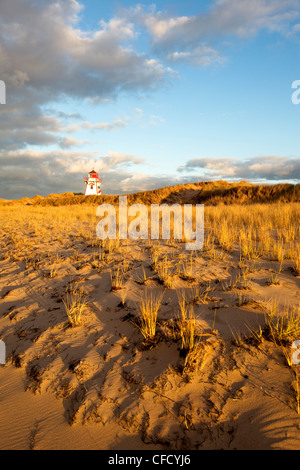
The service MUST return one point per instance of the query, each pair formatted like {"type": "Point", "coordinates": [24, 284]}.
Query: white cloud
{"type": "Point", "coordinates": [118, 123]}
{"type": "Point", "coordinates": [61, 170]}
{"type": "Point", "coordinates": [201, 55]}
{"type": "Point", "coordinates": [45, 56]}
{"type": "Point", "coordinates": [269, 168]}
{"type": "Point", "coordinates": [43, 47]}
{"type": "Point", "coordinates": [160, 27]}
{"type": "Point", "coordinates": [199, 39]}
{"type": "Point", "coordinates": [68, 142]}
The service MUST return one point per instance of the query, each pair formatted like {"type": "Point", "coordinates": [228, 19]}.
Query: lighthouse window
{"type": "Point", "coordinates": [91, 186]}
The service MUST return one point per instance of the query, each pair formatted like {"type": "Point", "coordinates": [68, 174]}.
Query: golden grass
{"type": "Point", "coordinates": [117, 279]}
{"type": "Point", "coordinates": [75, 305]}
{"type": "Point", "coordinates": [252, 229]}
{"type": "Point", "coordinates": [165, 272]}
{"type": "Point", "coordinates": [123, 295]}
{"type": "Point", "coordinates": [209, 193]}
{"type": "Point", "coordinates": [186, 323]}
{"type": "Point", "coordinates": [148, 308]}
{"type": "Point", "coordinates": [296, 264]}
{"type": "Point", "coordinates": [283, 326]}
{"type": "Point", "coordinates": [265, 230]}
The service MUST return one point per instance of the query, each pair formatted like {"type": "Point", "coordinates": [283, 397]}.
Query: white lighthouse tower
{"type": "Point", "coordinates": [92, 184]}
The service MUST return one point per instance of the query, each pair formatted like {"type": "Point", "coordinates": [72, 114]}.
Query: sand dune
{"type": "Point", "coordinates": [102, 384]}
{"type": "Point", "coordinates": [208, 193]}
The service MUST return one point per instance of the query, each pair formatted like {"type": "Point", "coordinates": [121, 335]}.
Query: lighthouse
{"type": "Point", "coordinates": [92, 184]}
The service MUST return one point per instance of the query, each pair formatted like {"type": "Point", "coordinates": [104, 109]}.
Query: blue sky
{"type": "Point", "coordinates": [149, 94]}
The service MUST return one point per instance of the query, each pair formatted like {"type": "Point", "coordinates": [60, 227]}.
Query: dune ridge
{"type": "Point", "coordinates": [209, 193]}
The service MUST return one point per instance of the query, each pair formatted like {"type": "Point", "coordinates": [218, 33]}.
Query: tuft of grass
{"type": "Point", "coordinates": [287, 352]}
{"type": "Point", "coordinates": [142, 279]}
{"type": "Point", "coordinates": [250, 249]}
{"type": "Point", "coordinates": [75, 304]}
{"type": "Point", "coordinates": [186, 324]}
{"type": "Point", "coordinates": [76, 255]}
{"type": "Point", "coordinates": [256, 335]}
{"type": "Point", "coordinates": [296, 264]}
{"type": "Point", "coordinates": [148, 309]}
{"type": "Point", "coordinates": [283, 327]}
{"type": "Point", "coordinates": [277, 251]}
{"type": "Point", "coordinates": [165, 273]}
{"type": "Point", "coordinates": [274, 280]}
{"type": "Point", "coordinates": [225, 236]}
{"type": "Point", "coordinates": [117, 279]}
{"type": "Point", "coordinates": [187, 270]}
{"type": "Point", "coordinates": [123, 295]}
{"type": "Point", "coordinates": [154, 258]}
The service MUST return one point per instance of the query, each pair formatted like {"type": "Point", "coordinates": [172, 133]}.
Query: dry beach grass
{"type": "Point", "coordinates": [142, 344]}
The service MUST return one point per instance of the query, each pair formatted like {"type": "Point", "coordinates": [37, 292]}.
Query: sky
{"type": "Point", "coordinates": [147, 94]}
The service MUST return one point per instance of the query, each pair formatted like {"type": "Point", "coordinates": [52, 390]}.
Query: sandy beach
{"type": "Point", "coordinates": [102, 383]}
